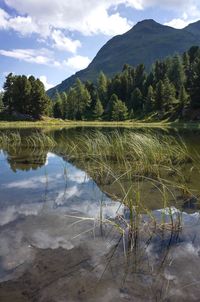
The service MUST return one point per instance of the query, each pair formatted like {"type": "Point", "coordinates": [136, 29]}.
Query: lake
{"type": "Point", "coordinates": [82, 219]}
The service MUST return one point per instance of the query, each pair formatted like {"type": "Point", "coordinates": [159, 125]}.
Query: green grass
{"type": "Point", "coordinates": [61, 123]}
{"type": "Point", "coordinates": [144, 153]}
{"type": "Point", "coordinates": [58, 123]}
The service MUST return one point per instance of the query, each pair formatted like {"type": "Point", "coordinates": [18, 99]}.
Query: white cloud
{"type": "Point", "coordinates": [99, 21]}
{"type": "Point", "coordinates": [44, 80]}
{"type": "Point", "coordinates": [77, 62]}
{"type": "Point", "coordinates": [191, 16]}
{"type": "Point", "coordinates": [39, 56]}
{"type": "Point", "coordinates": [177, 23]}
{"type": "Point", "coordinates": [63, 43]}
{"type": "Point", "coordinates": [87, 17]}
{"type": "Point", "coordinates": [24, 25]}
{"type": "Point", "coordinates": [45, 57]}
{"type": "Point", "coordinates": [50, 19]}
{"type": "Point", "coordinates": [3, 19]}
{"type": "Point", "coordinates": [178, 5]}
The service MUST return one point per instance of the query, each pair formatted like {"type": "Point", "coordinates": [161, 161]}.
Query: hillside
{"type": "Point", "coordinates": [144, 43]}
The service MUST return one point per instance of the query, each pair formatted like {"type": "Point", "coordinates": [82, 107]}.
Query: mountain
{"type": "Point", "coordinates": [193, 28]}
{"type": "Point", "coordinates": [144, 43]}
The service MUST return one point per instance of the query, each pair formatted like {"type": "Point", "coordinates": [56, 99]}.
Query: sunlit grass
{"type": "Point", "coordinates": [143, 154]}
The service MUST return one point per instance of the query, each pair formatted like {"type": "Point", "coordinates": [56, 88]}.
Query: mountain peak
{"type": "Point", "coordinates": [146, 26]}
{"type": "Point", "coordinates": [145, 43]}
{"type": "Point", "coordinates": [148, 23]}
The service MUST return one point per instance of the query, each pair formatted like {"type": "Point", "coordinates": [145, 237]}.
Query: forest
{"type": "Point", "coordinates": [169, 90]}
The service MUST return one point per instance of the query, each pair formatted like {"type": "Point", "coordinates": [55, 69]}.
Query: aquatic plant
{"type": "Point", "coordinates": [16, 139]}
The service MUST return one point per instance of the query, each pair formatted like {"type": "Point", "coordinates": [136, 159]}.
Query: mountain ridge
{"type": "Point", "coordinates": [146, 42]}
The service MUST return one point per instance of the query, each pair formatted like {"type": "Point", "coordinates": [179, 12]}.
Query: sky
{"type": "Point", "coordinates": [52, 39]}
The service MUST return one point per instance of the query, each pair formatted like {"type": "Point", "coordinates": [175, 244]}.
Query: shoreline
{"type": "Point", "coordinates": [126, 124]}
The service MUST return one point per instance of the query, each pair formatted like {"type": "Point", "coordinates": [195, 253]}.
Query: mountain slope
{"type": "Point", "coordinates": [193, 28]}
{"type": "Point", "coordinates": [144, 43]}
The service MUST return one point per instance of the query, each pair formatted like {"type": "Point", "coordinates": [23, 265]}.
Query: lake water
{"type": "Point", "coordinates": [61, 238]}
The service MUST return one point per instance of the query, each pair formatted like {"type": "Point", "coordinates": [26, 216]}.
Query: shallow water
{"type": "Point", "coordinates": [53, 246]}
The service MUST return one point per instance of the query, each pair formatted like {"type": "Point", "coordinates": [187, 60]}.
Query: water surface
{"type": "Point", "coordinates": [53, 246]}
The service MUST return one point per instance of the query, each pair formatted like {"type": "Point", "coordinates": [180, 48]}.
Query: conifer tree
{"type": "Point", "coordinates": [176, 72]}
{"type": "Point", "coordinates": [98, 110]}
{"type": "Point", "coordinates": [39, 100]}
{"type": "Point", "coordinates": [1, 102]}
{"type": "Point", "coordinates": [102, 88]}
{"type": "Point", "coordinates": [159, 95]}
{"type": "Point", "coordinates": [109, 109]}
{"type": "Point", "coordinates": [150, 100]}
{"type": "Point", "coordinates": [195, 85]}
{"type": "Point", "coordinates": [58, 110]}
{"type": "Point", "coordinates": [183, 98]}
{"type": "Point", "coordinates": [25, 95]}
{"type": "Point", "coordinates": [140, 77]}
{"type": "Point", "coordinates": [119, 111]}
{"type": "Point", "coordinates": [83, 99]}
{"type": "Point", "coordinates": [8, 99]}
{"type": "Point", "coordinates": [169, 95]}
{"type": "Point", "coordinates": [136, 100]}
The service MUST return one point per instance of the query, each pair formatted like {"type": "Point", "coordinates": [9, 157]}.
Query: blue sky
{"type": "Point", "coordinates": [52, 39]}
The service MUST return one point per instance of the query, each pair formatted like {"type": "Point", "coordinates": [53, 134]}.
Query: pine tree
{"type": "Point", "coordinates": [39, 100]}
{"type": "Point", "coordinates": [63, 96]}
{"type": "Point", "coordinates": [183, 98]}
{"type": "Point", "coordinates": [160, 70]}
{"type": "Point", "coordinates": [102, 87]}
{"type": "Point", "coordinates": [119, 111]}
{"type": "Point", "coordinates": [78, 101]}
{"type": "Point", "coordinates": [115, 86]}
{"type": "Point", "coordinates": [195, 86]}
{"type": "Point", "coordinates": [71, 110]}
{"type": "Point", "coordinates": [137, 100]}
{"type": "Point", "coordinates": [176, 73]}
{"type": "Point", "coordinates": [126, 83]}
{"type": "Point", "coordinates": [159, 95]}
{"type": "Point", "coordinates": [58, 111]}
{"type": "Point", "coordinates": [140, 77]}
{"type": "Point", "coordinates": [1, 102]}
{"type": "Point", "coordinates": [83, 99]}
{"type": "Point", "coordinates": [109, 109]}
{"type": "Point", "coordinates": [8, 99]}
{"type": "Point", "coordinates": [186, 61]}
{"type": "Point", "coordinates": [25, 95]}
{"type": "Point", "coordinates": [92, 89]}
{"type": "Point", "coordinates": [150, 100]}
{"type": "Point", "coordinates": [169, 95]}
{"type": "Point", "coordinates": [193, 53]}
{"type": "Point", "coordinates": [22, 94]}
{"type": "Point", "coordinates": [98, 110]}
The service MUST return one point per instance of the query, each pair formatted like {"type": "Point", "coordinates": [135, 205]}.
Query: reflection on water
{"type": "Point", "coordinates": [54, 248]}
{"type": "Point", "coordinates": [34, 206]}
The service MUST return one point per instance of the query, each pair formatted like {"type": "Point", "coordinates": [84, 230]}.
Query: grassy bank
{"type": "Point", "coordinates": [57, 123]}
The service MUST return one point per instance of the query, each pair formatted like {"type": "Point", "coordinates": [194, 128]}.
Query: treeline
{"type": "Point", "coordinates": [169, 90]}
{"type": "Point", "coordinates": [24, 95]}
{"type": "Point", "coordinates": [171, 87]}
